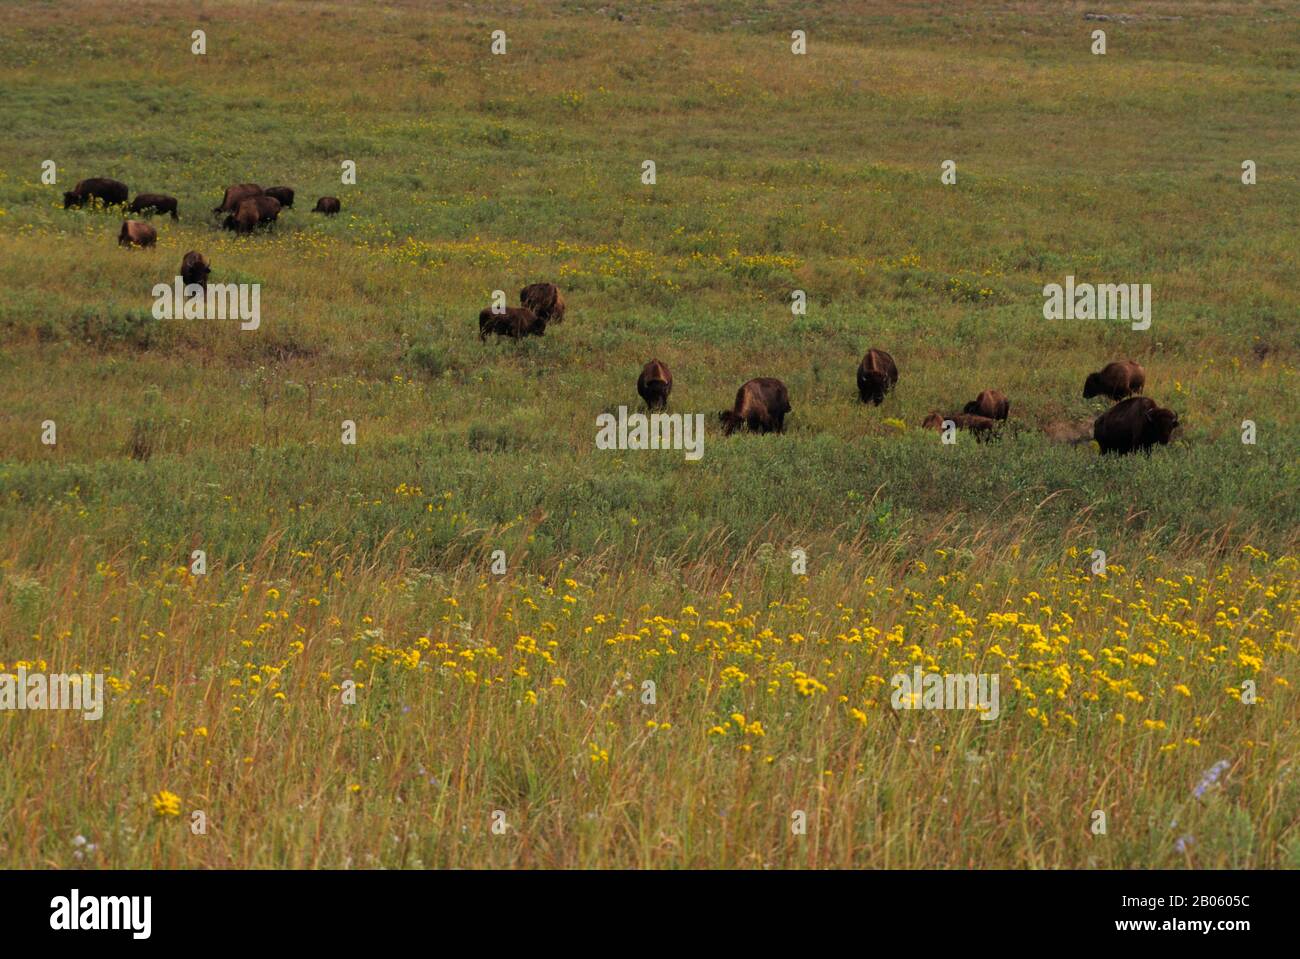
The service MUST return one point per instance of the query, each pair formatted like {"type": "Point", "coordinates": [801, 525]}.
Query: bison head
{"type": "Point", "coordinates": [1092, 386]}
{"type": "Point", "coordinates": [71, 198]}
{"type": "Point", "coordinates": [1160, 424]}
{"type": "Point", "coordinates": [730, 421]}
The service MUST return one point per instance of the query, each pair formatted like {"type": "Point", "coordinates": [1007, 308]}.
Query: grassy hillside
{"type": "Point", "coordinates": [775, 173]}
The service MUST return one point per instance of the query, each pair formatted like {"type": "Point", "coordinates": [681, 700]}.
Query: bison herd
{"type": "Point", "coordinates": [761, 405]}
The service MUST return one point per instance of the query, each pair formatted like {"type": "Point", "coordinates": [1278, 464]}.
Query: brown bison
{"type": "Point", "coordinates": [877, 375]}
{"type": "Point", "coordinates": [136, 233]}
{"type": "Point", "coordinates": [106, 191]}
{"type": "Point", "coordinates": [545, 300]}
{"type": "Point", "coordinates": [195, 269]}
{"type": "Point", "coordinates": [329, 205]}
{"type": "Point", "coordinates": [154, 203]}
{"type": "Point", "coordinates": [253, 212]}
{"type": "Point", "coordinates": [654, 384]}
{"type": "Point", "coordinates": [992, 404]}
{"type": "Point", "coordinates": [1136, 423]}
{"type": "Point", "coordinates": [515, 322]}
{"type": "Point", "coordinates": [236, 195]}
{"type": "Point", "coordinates": [981, 426]}
{"type": "Point", "coordinates": [1116, 380]}
{"type": "Point", "coordinates": [761, 405]}
{"type": "Point", "coordinates": [282, 193]}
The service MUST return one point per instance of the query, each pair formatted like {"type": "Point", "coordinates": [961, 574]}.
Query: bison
{"type": "Point", "coordinates": [154, 203]}
{"type": "Point", "coordinates": [107, 191]}
{"type": "Point", "coordinates": [654, 384]}
{"type": "Point", "coordinates": [329, 205]}
{"type": "Point", "coordinates": [981, 426]}
{"type": "Point", "coordinates": [282, 193]}
{"type": "Point", "coordinates": [1137, 423]}
{"type": "Point", "coordinates": [236, 195]}
{"type": "Point", "coordinates": [515, 322]}
{"type": "Point", "coordinates": [1116, 380]}
{"type": "Point", "coordinates": [992, 404]}
{"type": "Point", "coordinates": [877, 375]}
{"type": "Point", "coordinates": [195, 269]}
{"type": "Point", "coordinates": [545, 300]}
{"type": "Point", "coordinates": [136, 233]}
{"type": "Point", "coordinates": [761, 405]}
{"type": "Point", "coordinates": [253, 212]}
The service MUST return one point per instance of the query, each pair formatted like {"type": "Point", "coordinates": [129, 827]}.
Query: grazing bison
{"type": "Point", "coordinates": [981, 426]}
{"type": "Point", "coordinates": [236, 195]}
{"type": "Point", "coordinates": [545, 300]}
{"type": "Point", "coordinates": [195, 269]}
{"type": "Point", "coordinates": [992, 404]}
{"type": "Point", "coordinates": [282, 193]}
{"type": "Point", "coordinates": [654, 384]}
{"type": "Point", "coordinates": [106, 191]}
{"type": "Point", "coordinates": [1136, 423]}
{"type": "Point", "coordinates": [515, 322]}
{"type": "Point", "coordinates": [253, 212]}
{"type": "Point", "coordinates": [329, 205]}
{"type": "Point", "coordinates": [877, 375]}
{"type": "Point", "coordinates": [761, 405]}
{"type": "Point", "coordinates": [154, 203]}
{"type": "Point", "coordinates": [136, 233]}
{"type": "Point", "coordinates": [1116, 380]}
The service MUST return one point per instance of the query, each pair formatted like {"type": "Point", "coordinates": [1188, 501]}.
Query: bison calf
{"type": "Point", "coordinates": [195, 269]}
{"type": "Point", "coordinates": [981, 426]}
{"type": "Point", "coordinates": [515, 322]}
{"type": "Point", "coordinates": [1137, 423]}
{"type": "Point", "coordinates": [545, 300]}
{"type": "Point", "coordinates": [877, 375]}
{"type": "Point", "coordinates": [154, 203]}
{"type": "Point", "coordinates": [136, 233]}
{"type": "Point", "coordinates": [654, 384]}
{"type": "Point", "coordinates": [107, 191]}
{"type": "Point", "coordinates": [761, 406]}
{"type": "Point", "coordinates": [992, 404]}
{"type": "Point", "coordinates": [1115, 380]}
{"type": "Point", "coordinates": [329, 205]}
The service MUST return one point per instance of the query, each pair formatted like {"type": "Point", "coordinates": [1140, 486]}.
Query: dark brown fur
{"type": "Point", "coordinates": [1115, 380]}
{"type": "Point", "coordinates": [654, 384]}
{"type": "Point", "coordinates": [282, 193]}
{"type": "Point", "coordinates": [329, 205]}
{"type": "Point", "coordinates": [104, 189]}
{"type": "Point", "coordinates": [544, 299]}
{"type": "Point", "coordinates": [136, 233]}
{"type": "Point", "coordinates": [761, 405]}
{"type": "Point", "coordinates": [195, 269]}
{"type": "Point", "coordinates": [1137, 423]}
{"type": "Point", "coordinates": [236, 195]}
{"type": "Point", "coordinates": [877, 375]}
{"type": "Point", "coordinates": [154, 203]}
{"type": "Point", "coordinates": [516, 322]}
{"type": "Point", "coordinates": [992, 404]}
{"type": "Point", "coordinates": [253, 212]}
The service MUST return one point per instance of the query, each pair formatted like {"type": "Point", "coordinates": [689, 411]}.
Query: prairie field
{"type": "Point", "coordinates": [474, 639]}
